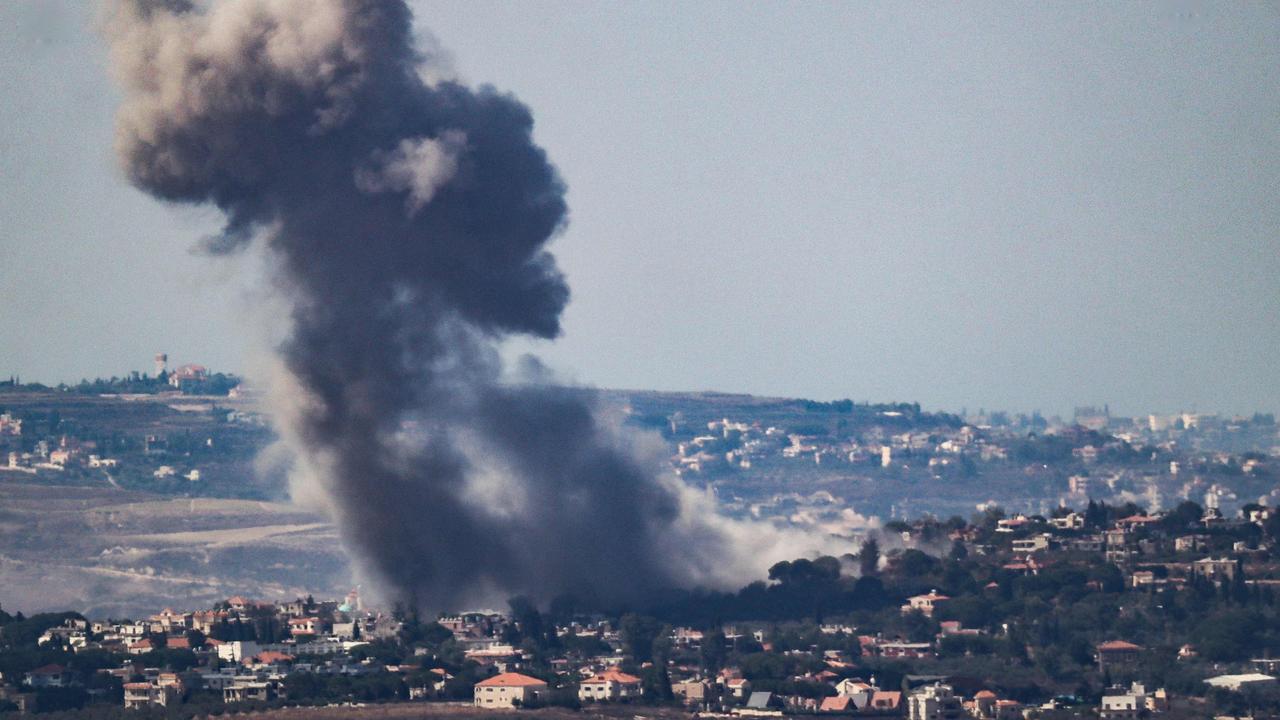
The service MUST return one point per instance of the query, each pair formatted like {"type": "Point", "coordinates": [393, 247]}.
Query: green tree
{"type": "Point", "coordinates": [914, 563]}
{"type": "Point", "coordinates": [713, 652]}
{"type": "Point", "coordinates": [638, 634]}
{"type": "Point", "coordinates": [1185, 514]}
{"type": "Point", "coordinates": [917, 627]}
{"type": "Point", "coordinates": [869, 557]}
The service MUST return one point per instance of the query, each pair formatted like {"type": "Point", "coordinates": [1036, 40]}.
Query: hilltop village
{"type": "Point", "coordinates": [898, 461]}
{"type": "Point", "coordinates": [193, 432]}
{"type": "Point", "coordinates": [1096, 611]}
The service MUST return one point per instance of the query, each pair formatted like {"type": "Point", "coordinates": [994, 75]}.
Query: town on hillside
{"type": "Point", "coordinates": [193, 432]}
{"type": "Point", "coordinates": [1094, 611]}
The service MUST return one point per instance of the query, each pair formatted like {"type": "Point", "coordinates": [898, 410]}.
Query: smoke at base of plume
{"type": "Point", "coordinates": [408, 221]}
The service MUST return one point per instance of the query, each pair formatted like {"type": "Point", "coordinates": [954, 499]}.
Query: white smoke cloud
{"type": "Point", "coordinates": [419, 166]}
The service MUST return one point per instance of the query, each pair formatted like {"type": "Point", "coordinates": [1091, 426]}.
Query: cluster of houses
{"type": "Point", "coordinates": [1151, 552]}
{"type": "Point", "coordinates": [323, 636]}
{"type": "Point", "coordinates": [730, 444]}
{"type": "Point", "coordinates": [730, 692]}
{"type": "Point", "coordinates": [68, 452]}
{"type": "Point", "coordinates": [53, 456]}
{"type": "Point", "coordinates": [727, 691]}
{"type": "Point", "coordinates": [320, 636]}
{"type": "Point", "coordinates": [1100, 463]}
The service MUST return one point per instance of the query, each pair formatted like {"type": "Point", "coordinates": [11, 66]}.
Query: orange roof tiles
{"type": "Point", "coordinates": [1118, 645]}
{"type": "Point", "coordinates": [835, 704]}
{"type": "Point", "coordinates": [511, 680]}
{"type": "Point", "coordinates": [884, 698]}
{"type": "Point", "coordinates": [615, 675]}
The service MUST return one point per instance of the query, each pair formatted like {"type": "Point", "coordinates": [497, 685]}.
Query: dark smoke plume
{"type": "Point", "coordinates": [409, 219]}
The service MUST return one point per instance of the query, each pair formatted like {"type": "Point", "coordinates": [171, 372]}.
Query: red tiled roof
{"type": "Point", "coordinates": [511, 680]}
{"type": "Point", "coordinates": [1134, 519]}
{"type": "Point", "coordinates": [885, 698]}
{"type": "Point", "coordinates": [190, 370]}
{"type": "Point", "coordinates": [835, 704]}
{"type": "Point", "coordinates": [1118, 645]}
{"type": "Point", "coordinates": [614, 675]}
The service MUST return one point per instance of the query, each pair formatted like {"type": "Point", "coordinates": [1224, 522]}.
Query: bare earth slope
{"type": "Point", "coordinates": [111, 552]}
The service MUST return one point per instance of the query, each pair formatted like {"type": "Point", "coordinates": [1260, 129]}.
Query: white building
{"type": "Point", "coordinates": [246, 690]}
{"type": "Point", "coordinates": [1035, 543]}
{"type": "Point", "coordinates": [611, 684]}
{"type": "Point", "coordinates": [1070, 521]}
{"type": "Point", "coordinates": [48, 676]}
{"type": "Point", "coordinates": [219, 680]}
{"type": "Point", "coordinates": [1239, 682]}
{"type": "Point", "coordinates": [857, 691]}
{"type": "Point", "coordinates": [144, 694]}
{"type": "Point", "coordinates": [1121, 705]}
{"type": "Point", "coordinates": [934, 702]}
{"type": "Point", "coordinates": [238, 650]}
{"type": "Point", "coordinates": [924, 603]}
{"type": "Point", "coordinates": [508, 690]}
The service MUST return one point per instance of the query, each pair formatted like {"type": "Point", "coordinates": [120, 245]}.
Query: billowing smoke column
{"type": "Point", "coordinates": [408, 218]}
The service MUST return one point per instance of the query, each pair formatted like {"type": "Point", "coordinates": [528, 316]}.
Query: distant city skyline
{"type": "Point", "coordinates": [1006, 207]}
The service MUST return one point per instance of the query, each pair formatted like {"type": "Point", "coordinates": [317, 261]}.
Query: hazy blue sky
{"type": "Point", "coordinates": [1007, 205]}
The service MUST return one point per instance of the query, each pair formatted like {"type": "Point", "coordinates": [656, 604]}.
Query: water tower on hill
{"type": "Point", "coordinates": [162, 361]}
